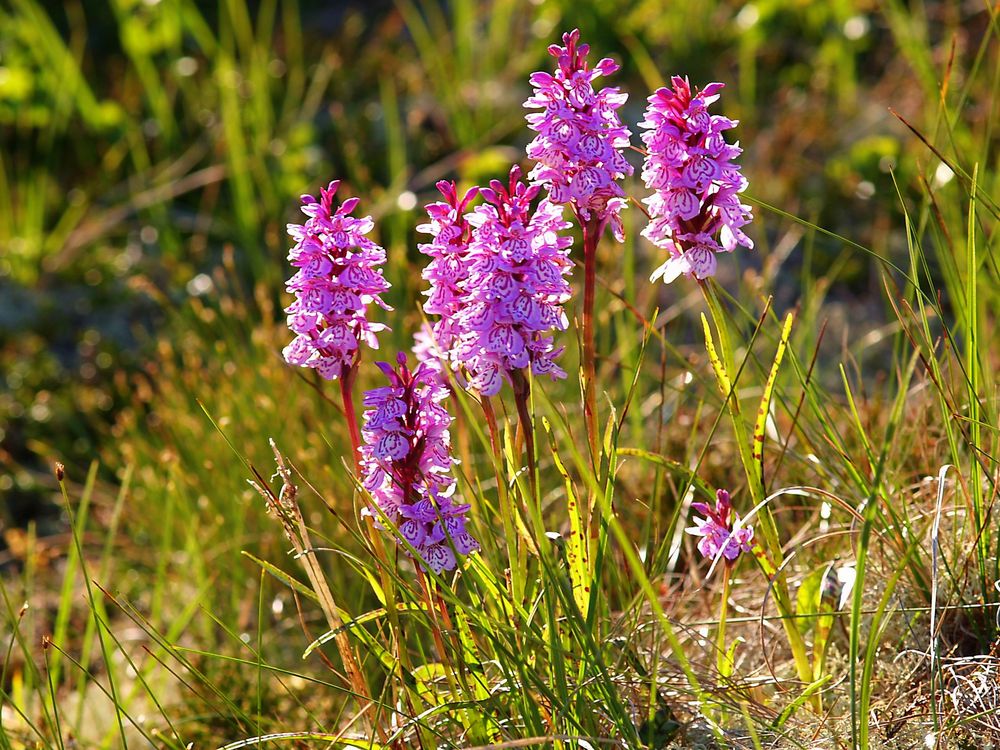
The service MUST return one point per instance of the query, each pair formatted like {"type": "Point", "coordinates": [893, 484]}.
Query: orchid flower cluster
{"type": "Point", "coordinates": [498, 282]}
{"type": "Point", "coordinates": [447, 272]}
{"type": "Point", "coordinates": [696, 184]}
{"type": "Point", "coordinates": [339, 276]}
{"type": "Point", "coordinates": [406, 465]}
{"type": "Point", "coordinates": [580, 136]}
{"type": "Point", "coordinates": [516, 286]}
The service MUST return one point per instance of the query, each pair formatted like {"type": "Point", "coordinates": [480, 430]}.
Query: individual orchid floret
{"type": "Point", "coordinates": [720, 530]}
{"type": "Point", "coordinates": [580, 136]}
{"type": "Point", "coordinates": [516, 286]}
{"type": "Point", "coordinates": [695, 210]}
{"type": "Point", "coordinates": [339, 276]}
{"type": "Point", "coordinates": [447, 272]}
{"type": "Point", "coordinates": [406, 465]}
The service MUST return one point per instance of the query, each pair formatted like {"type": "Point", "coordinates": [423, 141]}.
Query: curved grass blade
{"type": "Point", "coordinates": [765, 401]}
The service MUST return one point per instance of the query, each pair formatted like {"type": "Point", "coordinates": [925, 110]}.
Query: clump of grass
{"type": "Point", "coordinates": [880, 430]}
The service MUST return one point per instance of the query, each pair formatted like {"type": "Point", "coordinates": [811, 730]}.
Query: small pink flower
{"type": "Point", "coordinates": [720, 529]}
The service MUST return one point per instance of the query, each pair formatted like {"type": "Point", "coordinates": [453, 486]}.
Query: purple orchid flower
{"type": "Point", "coordinates": [339, 275]}
{"type": "Point", "coordinates": [406, 464]}
{"type": "Point", "coordinates": [695, 210]}
{"type": "Point", "coordinates": [720, 529]}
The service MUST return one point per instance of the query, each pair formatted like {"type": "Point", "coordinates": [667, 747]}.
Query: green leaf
{"type": "Point", "coordinates": [284, 577]}
{"type": "Point", "coordinates": [356, 622]}
{"type": "Point", "coordinates": [800, 701]}
{"type": "Point", "coordinates": [578, 544]}
{"type": "Point", "coordinates": [721, 376]}
{"type": "Point", "coordinates": [765, 401]}
{"type": "Point", "coordinates": [333, 741]}
{"type": "Point", "coordinates": [729, 662]}
{"type": "Point", "coordinates": [809, 598]}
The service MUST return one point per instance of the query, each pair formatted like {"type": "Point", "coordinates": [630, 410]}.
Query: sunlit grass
{"type": "Point", "coordinates": [169, 609]}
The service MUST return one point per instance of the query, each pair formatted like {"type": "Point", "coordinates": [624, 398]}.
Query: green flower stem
{"type": "Point", "coordinates": [722, 662]}
{"type": "Point", "coordinates": [522, 398]}
{"type": "Point", "coordinates": [591, 236]}
{"type": "Point", "coordinates": [506, 508]}
{"type": "Point", "coordinates": [397, 645]}
{"type": "Point", "coordinates": [755, 483]}
{"type": "Point", "coordinates": [750, 467]}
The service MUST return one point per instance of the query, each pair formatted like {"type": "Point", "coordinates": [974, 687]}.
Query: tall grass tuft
{"type": "Point", "coordinates": [837, 381]}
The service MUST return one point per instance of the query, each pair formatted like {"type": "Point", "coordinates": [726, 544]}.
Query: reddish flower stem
{"type": "Point", "coordinates": [591, 235]}
{"type": "Point", "coordinates": [522, 398]}
{"type": "Point", "coordinates": [493, 429]}
{"type": "Point", "coordinates": [425, 588]}
{"type": "Point", "coordinates": [346, 391]}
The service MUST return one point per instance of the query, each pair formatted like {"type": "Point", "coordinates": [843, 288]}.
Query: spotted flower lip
{"type": "Point", "coordinates": [580, 136]}
{"type": "Point", "coordinates": [720, 530]}
{"type": "Point", "coordinates": [339, 276]}
{"type": "Point", "coordinates": [406, 465]}
{"type": "Point", "coordinates": [695, 208]}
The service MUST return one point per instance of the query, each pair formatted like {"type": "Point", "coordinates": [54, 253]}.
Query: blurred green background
{"type": "Point", "coordinates": [144, 140]}
{"type": "Point", "coordinates": [152, 151]}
